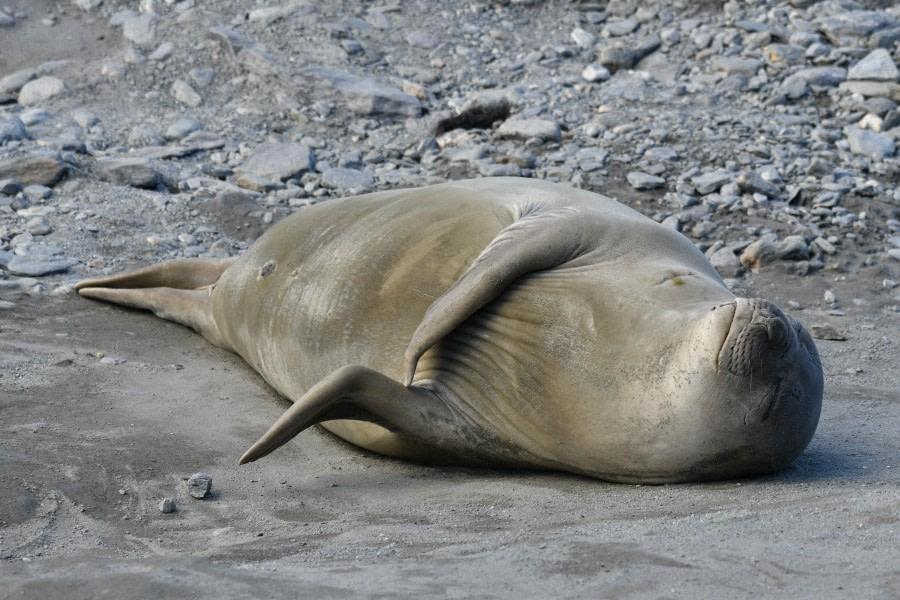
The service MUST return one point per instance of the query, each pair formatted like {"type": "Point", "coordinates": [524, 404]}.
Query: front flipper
{"type": "Point", "coordinates": [534, 242]}
{"type": "Point", "coordinates": [359, 393]}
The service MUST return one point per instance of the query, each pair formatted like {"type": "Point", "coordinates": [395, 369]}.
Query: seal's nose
{"type": "Point", "coordinates": [779, 333]}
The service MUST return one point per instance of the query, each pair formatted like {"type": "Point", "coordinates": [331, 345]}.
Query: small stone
{"type": "Point", "coordinates": [140, 29]}
{"type": "Point", "coordinates": [620, 28]}
{"type": "Point", "coordinates": [181, 128]}
{"type": "Point", "coordinates": [827, 332]}
{"type": "Point", "coordinates": [759, 253]}
{"type": "Point", "coordinates": [584, 39]}
{"type": "Point", "coordinates": [185, 94]}
{"type": "Point", "coordinates": [793, 247]}
{"type": "Point", "coordinates": [644, 181]}
{"type": "Point", "coordinates": [26, 266]}
{"type": "Point", "coordinates": [163, 52]}
{"type": "Point", "coordinates": [726, 263]}
{"type": "Point", "coordinates": [199, 485]}
{"type": "Point", "coordinates": [145, 135]}
{"type": "Point", "coordinates": [616, 56]}
{"type": "Point", "coordinates": [40, 90]}
{"type": "Point", "coordinates": [710, 182]}
{"type": "Point", "coordinates": [257, 183]}
{"type": "Point", "coordinates": [523, 129]}
{"type": "Point", "coordinates": [420, 39]}
{"type": "Point", "coordinates": [84, 118]}
{"type": "Point", "coordinates": [38, 226]}
{"type": "Point", "coordinates": [876, 146]}
{"type": "Point", "coordinates": [366, 96]}
{"type": "Point", "coordinates": [12, 83]}
{"type": "Point", "coordinates": [112, 361]}
{"type": "Point", "coordinates": [868, 88]}
{"type": "Point", "coordinates": [754, 183]}
{"type": "Point", "coordinates": [167, 506]}
{"type": "Point", "coordinates": [11, 129]}
{"type": "Point", "coordinates": [825, 246]}
{"type": "Point", "coordinates": [784, 55]}
{"type": "Point", "coordinates": [735, 64]}
{"type": "Point", "coordinates": [134, 172]}
{"type": "Point", "coordinates": [349, 180]}
{"type": "Point", "coordinates": [40, 169]}
{"type": "Point", "coordinates": [822, 76]}
{"type": "Point", "coordinates": [595, 72]}
{"type": "Point", "coordinates": [10, 187]}
{"type": "Point", "coordinates": [877, 65]}
{"type": "Point", "coordinates": [278, 161]}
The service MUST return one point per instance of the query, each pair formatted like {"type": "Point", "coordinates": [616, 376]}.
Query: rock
{"type": "Point", "coordinates": [33, 169]}
{"type": "Point", "coordinates": [134, 172]}
{"type": "Point", "coordinates": [144, 135]}
{"type": "Point", "coordinates": [793, 247]}
{"type": "Point", "coordinates": [40, 90]}
{"type": "Point", "coordinates": [583, 39]}
{"type": "Point", "coordinates": [644, 181]}
{"type": "Point", "coordinates": [140, 29]}
{"type": "Point", "coordinates": [827, 332]}
{"type": "Point", "coordinates": [822, 76]}
{"type": "Point", "coordinates": [11, 129]}
{"type": "Point", "coordinates": [10, 187]}
{"type": "Point", "coordinates": [759, 253]}
{"type": "Point", "coordinates": [163, 52]}
{"type": "Point", "coordinates": [877, 146]}
{"type": "Point", "coordinates": [421, 39]}
{"type": "Point", "coordinates": [112, 361]}
{"type": "Point", "coordinates": [735, 64]}
{"type": "Point", "coordinates": [249, 54]}
{"type": "Point", "coordinates": [167, 505]}
{"type": "Point", "coordinates": [885, 89]}
{"type": "Point", "coordinates": [595, 72]}
{"type": "Point", "coordinates": [199, 485]}
{"type": "Point", "coordinates": [523, 129]}
{"type": "Point", "coordinates": [825, 246]}
{"type": "Point", "coordinates": [616, 56]}
{"type": "Point", "coordinates": [38, 226]}
{"type": "Point", "coordinates": [185, 94]}
{"type": "Point", "coordinates": [349, 181]}
{"type": "Point", "coordinates": [877, 65]}
{"type": "Point", "coordinates": [480, 114]}
{"type": "Point", "coordinates": [726, 263]}
{"type": "Point", "coordinates": [255, 183]}
{"type": "Point", "coordinates": [710, 182]}
{"type": "Point", "coordinates": [26, 266]}
{"type": "Point", "coordinates": [84, 118]}
{"type": "Point", "coordinates": [88, 4]}
{"type": "Point", "coordinates": [37, 192]}
{"type": "Point", "coordinates": [366, 96]}
{"type": "Point", "coordinates": [620, 28]}
{"type": "Point", "coordinates": [753, 183]}
{"type": "Point", "coordinates": [181, 128]}
{"type": "Point", "coordinates": [12, 83]}
{"type": "Point", "coordinates": [847, 27]}
{"type": "Point", "coordinates": [279, 161]}
{"type": "Point", "coordinates": [784, 55]}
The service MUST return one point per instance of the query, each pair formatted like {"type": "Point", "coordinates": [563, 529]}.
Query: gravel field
{"type": "Point", "coordinates": [134, 132]}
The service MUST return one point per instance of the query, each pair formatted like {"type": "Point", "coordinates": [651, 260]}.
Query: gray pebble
{"type": "Point", "coordinates": [11, 129]}
{"type": "Point", "coordinates": [40, 90]}
{"type": "Point", "coordinates": [524, 129]}
{"type": "Point", "coordinates": [140, 29]}
{"type": "Point", "coordinates": [38, 226]}
{"type": "Point", "coordinates": [199, 485]}
{"type": "Point", "coordinates": [708, 183]}
{"type": "Point", "coordinates": [349, 180]}
{"type": "Point", "coordinates": [185, 94]}
{"type": "Point", "coordinates": [181, 128]}
{"type": "Point", "coordinates": [145, 135]}
{"type": "Point", "coordinates": [278, 161]}
{"type": "Point", "coordinates": [31, 267]}
{"type": "Point", "coordinates": [167, 505]}
{"type": "Point", "coordinates": [868, 143]}
{"type": "Point", "coordinates": [827, 332]}
{"type": "Point", "coordinates": [877, 65]}
{"type": "Point", "coordinates": [163, 52]}
{"type": "Point", "coordinates": [644, 181]}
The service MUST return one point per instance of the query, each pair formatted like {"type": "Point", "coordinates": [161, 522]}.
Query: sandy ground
{"type": "Point", "coordinates": [89, 451]}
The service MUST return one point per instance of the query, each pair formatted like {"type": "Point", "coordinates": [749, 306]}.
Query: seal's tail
{"type": "Point", "coordinates": [177, 290]}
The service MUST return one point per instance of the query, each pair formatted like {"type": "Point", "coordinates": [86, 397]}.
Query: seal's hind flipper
{"type": "Point", "coordinates": [177, 291]}
{"type": "Point", "coordinates": [359, 393]}
{"type": "Point", "coordinates": [180, 274]}
{"type": "Point", "coordinates": [535, 242]}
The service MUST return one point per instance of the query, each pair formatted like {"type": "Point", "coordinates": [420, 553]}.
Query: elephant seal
{"type": "Point", "coordinates": [504, 322]}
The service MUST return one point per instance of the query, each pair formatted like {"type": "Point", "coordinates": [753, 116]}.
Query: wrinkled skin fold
{"type": "Point", "coordinates": [504, 322]}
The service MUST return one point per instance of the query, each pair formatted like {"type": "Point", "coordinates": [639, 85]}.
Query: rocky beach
{"type": "Point", "coordinates": [135, 132]}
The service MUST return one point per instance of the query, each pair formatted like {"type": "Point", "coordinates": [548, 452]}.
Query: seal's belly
{"type": "Point", "coordinates": [347, 283]}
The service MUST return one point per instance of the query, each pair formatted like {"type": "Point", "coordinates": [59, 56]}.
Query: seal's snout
{"type": "Point", "coordinates": [759, 334]}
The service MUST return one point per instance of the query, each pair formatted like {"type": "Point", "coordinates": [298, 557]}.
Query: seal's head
{"type": "Point", "coordinates": [753, 403]}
